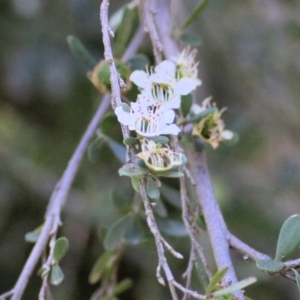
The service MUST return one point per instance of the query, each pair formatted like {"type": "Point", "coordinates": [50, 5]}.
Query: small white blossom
{"type": "Point", "coordinates": [186, 65]}
{"type": "Point", "coordinates": [148, 118]}
{"type": "Point", "coordinates": [163, 85]}
{"type": "Point", "coordinates": [159, 158]}
{"type": "Point", "coordinates": [210, 129]}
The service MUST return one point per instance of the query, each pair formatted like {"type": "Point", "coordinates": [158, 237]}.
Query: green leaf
{"type": "Point", "coordinates": [132, 170]}
{"type": "Point", "coordinates": [205, 113]}
{"type": "Point", "coordinates": [289, 238]}
{"type": "Point", "coordinates": [103, 264]}
{"type": "Point", "coordinates": [33, 236]}
{"type": "Point", "coordinates": [159, 208]}
{"type": "Point", "coordinates": [170, 174]}
{"type": "Point", "coordinates": [57, 275]}
{"type": "Point", "coordinates": [201, 272]}
{"type": "Point", "coordinates": [108, 121]}
{"type": "Point", "coordinates": [94, 153]}
{"type": "Point", "coordinates": [141, 163]}
{"type": "Point", "coordinates": [116, 18]}
{"type": "Point", "coordinates": [123, 286]}
{"type": "Point", "coordinates": [125, 230]}
{"type": "Point", "coordinates": [192, 39]}
{"type": "Point", "coordinates": [161, 139]}
{"type": "Point", "coordinates": [201, 221]}
{"type": "Point", "coordinates": [125, 31]}
{"type": "Point", "coordinates": [134, 233]}
{"type": "Point", "coordinates": [196, 12]}
{"type": "Point", "coordinates": [138, 62]}
{"type": "Point", "coordinates": [130, 141]}
{"type": "Point", "coordinates": [272, 266]}
{"type": "Point", "coordinates": [237, 286]}
{"type": "Point", "coordinates": [123, 204]}
{"type": "Point", "coordinates": [218, 276]}
{"type": "Point", "coordinates": [135, 184]}
{"type": "Point", "coordinates": [171, 227]}
{"type": "Point", "coordinates": [118, 149]}
{"type": "Point", "coordinates": [61, 247]}
{"type": "Point", "coordinates": [80, 51]}
{"type": "Point", "coordinates": [171, 195]}
{"type": "Point", "coordinates": [152, 189]}
{"type": "Point", "coordinates": [125, 107]}
{"type": "Point", "coordinates": [297, 279]}
{"type": "Point", "coordinates": [186, 104]}
{"type": "Point", "coordinates": [45, 271]}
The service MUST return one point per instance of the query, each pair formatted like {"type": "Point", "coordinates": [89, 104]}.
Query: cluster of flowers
{"type": "Point", "coordinates": [153, 113]}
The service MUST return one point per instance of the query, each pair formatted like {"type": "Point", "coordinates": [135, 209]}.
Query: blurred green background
{"type": "Point", "coordinates": [249, 62]}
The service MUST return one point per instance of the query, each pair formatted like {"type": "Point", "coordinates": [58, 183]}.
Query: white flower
{"type": "Point", "coordinates": [210, 129]}
{"type": "Point", "coordinates": [159, 158]}
{"type": "Point", "coordinates": [163, 85]}
{"type": "Point", "coordinates": [186, 65]}
{"type": "Point", "coordinates": [148, 118]}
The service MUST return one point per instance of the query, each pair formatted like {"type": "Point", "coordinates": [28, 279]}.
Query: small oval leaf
{"type": "Point", "coordinates": [218, 276]}
{"type": "Point", "coordinates": [152, 189]}
{"type": "Point", "coordinates": [134, 233]}
{"type": "Point", "coordinates": [171, 227]}
{"type": "Point", "coordinates": [108, 121]}
{"type": "Point", "coordinates": [123, 204]}
{"type": "Point", "coordinates": [289, 238]}
{"type": "Point", "coordinates": [237, 286]}
{"type": "Point", "coordinates": [94, 152]}
{"type": "Point", "coordinates": [135, 184]}
{"type": "Point", "coordinates": [80, 51]}
{"type": "Point", "coordinates": [102, 264]}
{"type": "Point", "coordinates": [60, 248]}
{"type": "Point", "coordinates": [171, 174]}
{"type": "Point", "coordinates": [272, 266]}
{"type": "Point", "coordinates": [130, 141]}
{"type": "Point", "coordinates": [138, 62]}
{"type": "Point", "coordinates": [123, 286]}
{"type": "Point", "coordinates": [171, 195]}
{"type": "Point", "coordinates": [186, 104]}
{"type": "Point", "coordinates": [161, 139]}
{"type": "Point", "coordinates": [57, 275]}
{"type": "Point", "coordinates": [118, 149]}
{"type": "Point", "coordinates": [159, 208]}
{"type": "Point", "coordinates": [115, 235]}
{"type": "Point", "coordinates": [33, 236]}
{"type": "Point", "coordinates": [132, 170]}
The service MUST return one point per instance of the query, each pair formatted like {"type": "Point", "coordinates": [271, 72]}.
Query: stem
{"type": "Point", "coordinates": [52, 217]}
{"type": "Point", "coordinates": [214, 220]}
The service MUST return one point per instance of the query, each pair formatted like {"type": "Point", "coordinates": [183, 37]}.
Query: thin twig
{"type": "Point", "coordinates": [148, 14]}
{"type": "Point", "coordinates": [163, 24]}
{"type": "Point", "coordinates": [245, 249]}
{"type": "Point", "coordinates": [186, 216]}
{"type": "Point", "coordinates": [188, 273]}
{"type": "Point", "coordinates": [52, 217]}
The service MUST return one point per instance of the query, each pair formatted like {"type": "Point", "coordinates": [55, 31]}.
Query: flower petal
{"type": "Point", "coordinates": [140, 78]}
{"type": "Point", "coordinates": [123, 116]}
{"type": "Point", "coordinates": [185, 85]}
{"type": "Point", "coordinates": [164, 73]}
{"type": "Point", "coordinates": [170, 129]}
{"type": "Point", "coordinates": [227, 135]}
{"type": "Point", "coordinates": [169, 116]}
